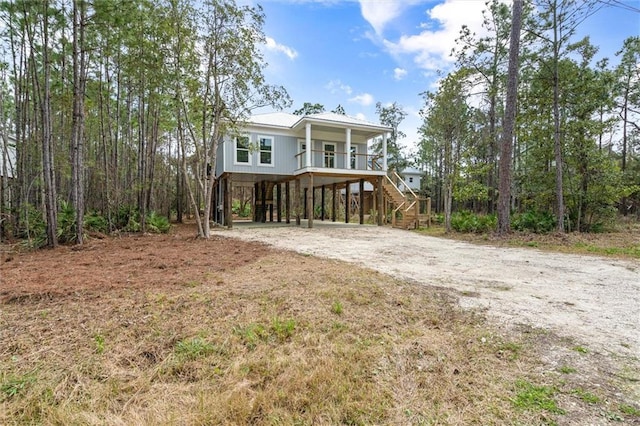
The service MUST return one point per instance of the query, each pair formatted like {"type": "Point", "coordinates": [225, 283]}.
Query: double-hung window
{"type": "Point", "coordinates": [266, 150]}
{"type": "Point", "coordinates": [242, 156]}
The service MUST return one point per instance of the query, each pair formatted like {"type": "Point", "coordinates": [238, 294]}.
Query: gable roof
{"type": "Point", "coordinates": [275, 119]}
{"type": "Point", "coordinates": [411, 171]}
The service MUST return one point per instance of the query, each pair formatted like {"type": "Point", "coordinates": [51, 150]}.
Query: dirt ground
{"type": "Point", "coordinates": [590, 299]}
{"type": "Point", "coordinates": [587, 304]}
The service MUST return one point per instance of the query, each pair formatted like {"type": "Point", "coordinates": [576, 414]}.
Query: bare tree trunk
{"type": "Point", "coordinates": [47, 139]}
{"type": "Point", "coordinates": [448, 200]}
{"type": "Point", "coordinates": [77, 135]}
{"type": "Point", "coordinates": [557, 142]}
{"type": "Point", "coordinates": [506, 152]}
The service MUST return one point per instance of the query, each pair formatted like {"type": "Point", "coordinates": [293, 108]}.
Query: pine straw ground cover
{"type": "Point", "coordinates": [172, 330]}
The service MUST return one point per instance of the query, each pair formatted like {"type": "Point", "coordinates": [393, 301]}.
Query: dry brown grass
{"type": "Point", "coordinates": [255, 340]}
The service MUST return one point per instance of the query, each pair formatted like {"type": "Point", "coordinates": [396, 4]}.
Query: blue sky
{"type": "Point", "coordinates": [357, 53]}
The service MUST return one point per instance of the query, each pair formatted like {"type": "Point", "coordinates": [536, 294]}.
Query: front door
{"type": "Point", "coordinates": [329, 150]}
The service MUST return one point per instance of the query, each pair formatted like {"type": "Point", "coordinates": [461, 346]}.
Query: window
{"type": "Point", "coordinates": [329, 155]}
{"type": "Point", "coordinates": [302, 153]}
{"type": "Point", "coordinates": [410, 180]}
{"type": "Point", "coordinates": [266, 150]}
{"type": "Point", "coordinates": [353, 157]}
{"type": "Point", "coordinates": [242, 150]}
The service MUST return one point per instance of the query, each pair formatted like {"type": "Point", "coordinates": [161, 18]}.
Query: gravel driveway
{"type": "Point", "coordinates": [591, 299]}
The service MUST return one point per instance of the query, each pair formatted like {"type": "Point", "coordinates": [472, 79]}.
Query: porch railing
{"type": "Point", "coordinates": [319, 158]}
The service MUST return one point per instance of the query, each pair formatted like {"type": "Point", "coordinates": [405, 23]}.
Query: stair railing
{"type": "Point", "coordinates": [401, 194]}
{"type": "Point", "coordinates": [404, 183]}
{"type": "Point", "coordinates": [413, 203]}
{"type": "Point", "coordinates": [394, 185]}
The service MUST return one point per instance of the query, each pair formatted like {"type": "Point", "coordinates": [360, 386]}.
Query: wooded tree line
{"type": "Point", "coordinates": [117, 107]}
{"type": "Point", "coordinates": [575, 154]}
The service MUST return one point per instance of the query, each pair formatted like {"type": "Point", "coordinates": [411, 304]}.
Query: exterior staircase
{"type": "Point", "coordinates": [405, 205]}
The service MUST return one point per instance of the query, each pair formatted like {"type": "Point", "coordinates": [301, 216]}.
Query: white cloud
{"type": "Point", "coordinates": [399, 73]}
{"type": "Point", "coordinates": [273, 45]}
{"type": "Point", "coordinates": [364, 99]}
{"type": "Point", "coordinates": [432, 46]}
{"type": "Point", "coordinates": [378, 13]}
{"type": "Point", "coordinates": [361, 116]}
{"type": "Point", "coordinates": [336, 86]}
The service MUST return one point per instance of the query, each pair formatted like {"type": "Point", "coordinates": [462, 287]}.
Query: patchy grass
{"type": "Point", "coordinates": [337, 308]}
{"type": "Point", "coordinates": [536, 398]}
{"type": "Point", "coordinates": [264, 348]}
{"type": "Point", "coordinates": [581, 349]}
{"type": "Point", "coordinates": [261, 337]}
{"type": "Point", "coordinates": [587, 396]}
{"type": "Point", "coordinates": [567, 370]}
{"type": "Point", "coordinates": [629, 410]}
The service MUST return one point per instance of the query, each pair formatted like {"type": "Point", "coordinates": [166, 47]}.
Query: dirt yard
{"type": "Point", "coordinates": [147, 329]}
{"type": "Point", "coordinates": [593, 300]}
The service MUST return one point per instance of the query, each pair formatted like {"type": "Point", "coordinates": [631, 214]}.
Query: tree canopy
{"type": "Point", "coordinates": [575, 147]}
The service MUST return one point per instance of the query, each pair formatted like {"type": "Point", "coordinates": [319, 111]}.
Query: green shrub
{"type": "Point", "coordinates": [126, 219]}
{"type": "Point", "coordinates": [66, 223]}
{"type": "Point", "coordinates": [533, 221]}
{"type": "Point", "coordinates": [157, 224]}
{"type": "Point", "coordinates": [96, 222]}
{"type": "Point", "coordinates": [466, 221]}
{"type": "Point", "coordinates": [33, 228]}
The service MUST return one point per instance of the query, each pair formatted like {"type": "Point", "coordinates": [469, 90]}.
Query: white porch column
{"type": "Point", "coordinates": [307, 128]}
{"type": "Point", "coordinates": [348, 149]}
{"type": "Point", "coordinates": [387, 136]}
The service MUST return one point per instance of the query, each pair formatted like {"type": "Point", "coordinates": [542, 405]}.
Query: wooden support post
{"type": "Point", "coordinates": [310, 201]}
{"type": "Point", "coordinates": [287, 202]}
{"type": "Point", "coordinates": [322, 199]}
{"type": "Point", "coordinates": [361, 201]}
{"type": "Point", "coordinates": [306, 202]}
{"type": "Point", "coordinates": [256, 191]}
{"type": "Point", "coordinates": [374, 204]}
{"type": "Point", "coordinates": [263, 191]}
{"type": "Point", "coordinates": [229, 202]}
{"type": "Point", "coordinates": [313, 201]}
{"type": "Point", "coordinates": [333, 203]}
{"type": "Point", "coordinates": [380, 201]}
{"type": "Point", "coordinates": [214, 204]}
{"type": "Point", "coordinates": [347, 203]}
{"type": "Point", "coordinates": [279, 201]}
{"type": "Point", "coordinates": [224, 201]}
{"type": "Point", "coordinates": [271, 211]}
{"type": "Point", "coordinates": [296, 202]}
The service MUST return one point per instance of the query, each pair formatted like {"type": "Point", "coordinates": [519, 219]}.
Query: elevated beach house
{"type": "Point", "coordinates": [295, 163]}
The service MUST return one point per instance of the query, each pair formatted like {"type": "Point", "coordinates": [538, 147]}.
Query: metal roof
{"type": "Point", "coordinates": [292, 121]}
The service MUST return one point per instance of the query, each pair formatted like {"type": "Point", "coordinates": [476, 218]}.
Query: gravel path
{"type": "Point", "coordinates": [594, 300]}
